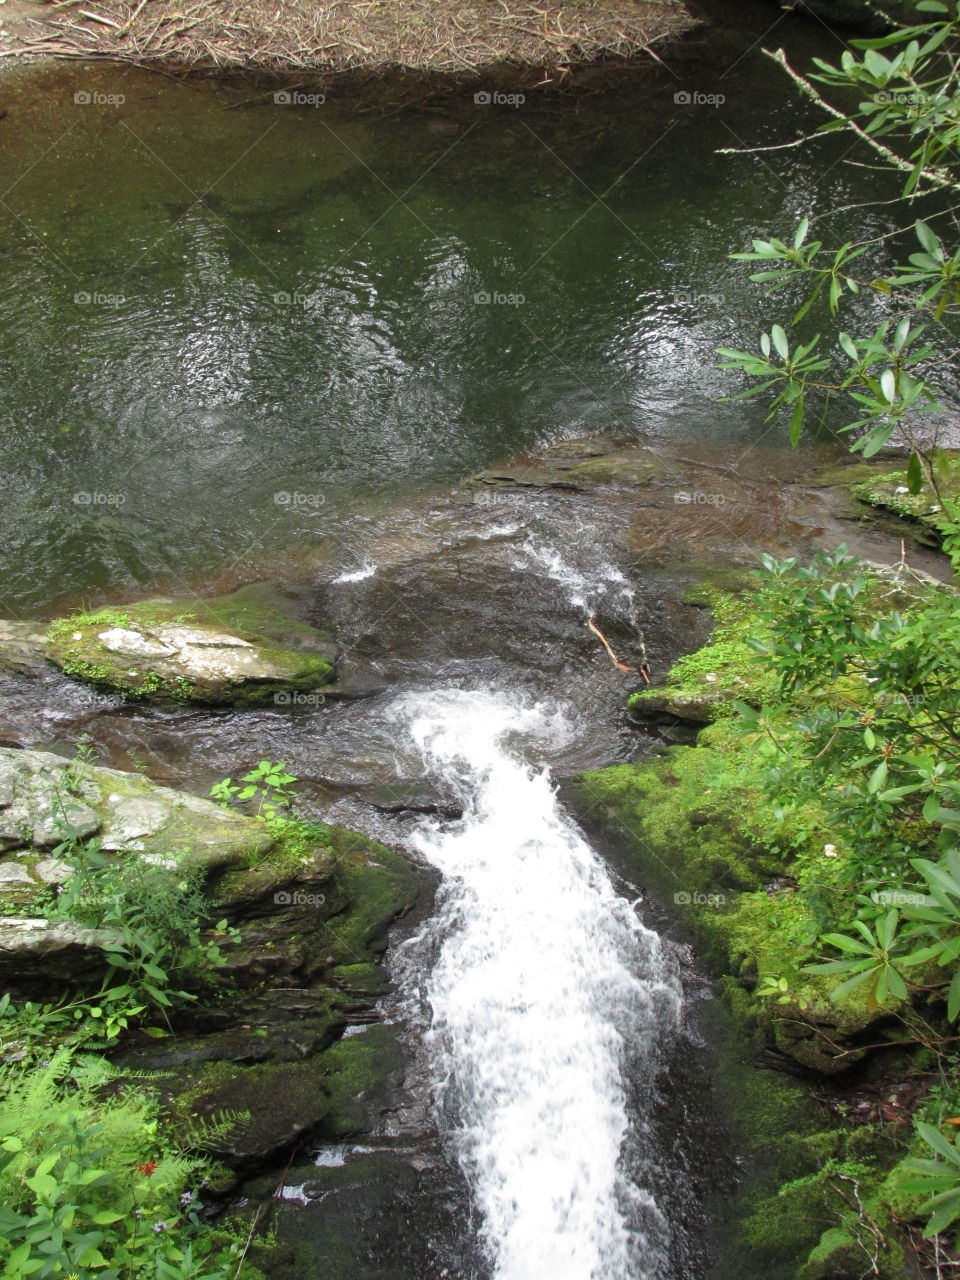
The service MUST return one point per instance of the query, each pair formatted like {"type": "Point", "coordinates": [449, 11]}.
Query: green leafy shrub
{"type": "Point", "coordinates": [153, 919]}
{"type": "Point", "coordinates": [90, 1184]}
{"type": "Point", "coordinates": [938, 1179]}
{"type": "Point", "coordinates": [904, 119]}
{"type": "Point", "coordinates": [870, 671]}
{"type": "Point", "coordinates": [269, 783]}
{"type": "Point", "coordinates": [153, 914]}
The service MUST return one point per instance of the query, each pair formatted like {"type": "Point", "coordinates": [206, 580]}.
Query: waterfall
{"type": "Point", "coordinates": [544, 998]}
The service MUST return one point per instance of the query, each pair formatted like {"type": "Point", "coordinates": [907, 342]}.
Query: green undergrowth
{"type": "Point", "coordinates": [806, 845]}
{"type": "Point", "coordinates": [114, 1173]}
{"type": "Point", "coordinates": [814, 1182]}
{"type": "Point", "coordinates": [706, 843]}
{"type": "Point", "coordinates": [93, 1183]}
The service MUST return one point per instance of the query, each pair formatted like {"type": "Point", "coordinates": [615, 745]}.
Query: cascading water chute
{"type": "Point", "coordinates": [543, 994]}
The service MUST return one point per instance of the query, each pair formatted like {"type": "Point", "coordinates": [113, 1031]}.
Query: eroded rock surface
{"type": "Point", "coordinates": [245, 648]}
{"type": "Point", "coordinates": [305, 899]}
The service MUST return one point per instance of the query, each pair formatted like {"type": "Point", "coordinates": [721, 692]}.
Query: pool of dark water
{"type": "Point", "coordinates": [228, 321]}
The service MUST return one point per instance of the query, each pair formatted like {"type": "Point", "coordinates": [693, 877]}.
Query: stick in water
{"type": "Point", "coordinates": [621, 666]}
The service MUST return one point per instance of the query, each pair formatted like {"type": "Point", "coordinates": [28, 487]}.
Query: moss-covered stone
{"type": "Point", "coordinates": [702, 835]}
{"type": "Point", "coordinates": [250, 1114]}
{"type": "Point", "coordinates": [847, 473]}
{"type": "Point", "coordinates": [45, 798]}
{"type": "Point", "coordinates": [304, 896]}
{"type": "Point", "coordinates": [884, 488]}
{"type": "Point", "coordinates": [321, 898]}
{"type": "Point", "coordinates": [889, 491]}
{"type": "Point", "coordinates": [754, 886]}
{"type": "Point", "coordinates": [704, 684]}
{"type": "Point", "coordinates": [378, 884]}
{"type": "Point", "coordinates": [359, 1071]}
{"type": "Point", "coordinates": [605, 462]}
{"type": "Point", "coordinates": [690, 844]}
{"type": "Point", "coordinates": [242, 649]}
{"type": "Point", "coordinates": [358, 979]}
{"type": "Point", "coordinates": [246, 1115]}
{"type": "Point", "coordinates": [790, 1139]}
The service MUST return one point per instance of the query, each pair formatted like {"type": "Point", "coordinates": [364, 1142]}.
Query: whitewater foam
{"type": "Point", "coordinates": [541, 990]}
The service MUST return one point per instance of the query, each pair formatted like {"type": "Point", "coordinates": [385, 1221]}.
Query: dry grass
{"type": "Point", "coordinates": [372, 35]}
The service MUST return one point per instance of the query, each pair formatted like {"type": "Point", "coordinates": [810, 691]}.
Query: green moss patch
{"type": "Point", "coordinates": [704, 684]}
{"type": "Point", "coordinates": [889, 491]}
{"type": "Point", "coordinates": [377, 884]}
{"type": "Point", "coordinates": [243, 649]}
{"type": "Point", "coordinates": [357, 1071]}
{"type": "Point", "coordinates": [247, 1114]}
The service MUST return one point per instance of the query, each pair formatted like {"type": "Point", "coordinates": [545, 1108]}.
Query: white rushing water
{"type": "Point", "coordinates": [541, 991]}
{"type": "Point", "coordinates": [585, 585]}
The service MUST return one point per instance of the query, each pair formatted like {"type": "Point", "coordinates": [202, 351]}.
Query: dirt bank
{"type": "Point", "coordinates": [346, 35]}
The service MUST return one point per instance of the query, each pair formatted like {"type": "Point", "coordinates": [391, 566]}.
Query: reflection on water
{"type": "Point", "coordinates": [221, 321]}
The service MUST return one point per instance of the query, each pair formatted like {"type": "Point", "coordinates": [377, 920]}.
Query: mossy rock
{"type": "Point", "coordinates": [358, 979]}
{"type": "Point", "coordinates": [848, 472]}
{"type": "Point", "coordinates": [876, 484]}
{"type": "Point", "coordinates": [689, 842]}
{"type": "Point", "coordinates": [844, 1251]}
{"type": "Point", "coordinates": [249, 1114]}
{"type": "Point", "coordinates": [268, 1108]}
{"type": "Point", "coordinates": [363, 1073]}
{"type": "Point", "coordinates": [752, 886]}
{"type": "Point", "coordinates": [306, 908]}
{"type": "Point", "coordinates": [604, 462]}
{"type": "Point", "coordinates": [378, 884]}
{"type": "Point", "coordinates": [890, 492]}
{"type": "Point", "coordinates": [786, 1135]}
{"type": "Point", "coordinates": [690, 845]}
{"type": "Point", "coordinates": [242, 649]}
{"type": "Point", "coordinates": [305, 897]}
{"type": "Point", "coordinates": [749, 881]}
{"type": "Point", "coordinates": [706, 683]}
{"type": "Point", "coordinates": [44, 796]}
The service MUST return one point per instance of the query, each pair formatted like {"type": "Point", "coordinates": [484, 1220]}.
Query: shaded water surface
{"type": "Point", "coordinates": [225, 321]}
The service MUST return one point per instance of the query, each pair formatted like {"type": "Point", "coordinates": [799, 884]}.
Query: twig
{"type": "Point", "coordinates": [621, 666]}
{"type": "Point", "coordinates": [253, 1227]}
{"type": "Point", "coordinates": [96, 17]}
{"type": "Point", "coordinates": [777, 146]}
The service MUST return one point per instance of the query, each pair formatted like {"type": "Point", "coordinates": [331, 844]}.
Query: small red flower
{"type": "Point", "coordinates": [148, 1168]}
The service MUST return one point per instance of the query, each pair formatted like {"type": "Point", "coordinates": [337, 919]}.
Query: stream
{"type": "Point", "coordinates": [244, 341]}
{"type": "Point", "coordinates": [544, 992]}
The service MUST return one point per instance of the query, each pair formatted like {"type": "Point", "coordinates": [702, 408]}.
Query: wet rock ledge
{"type": "Point", "coordinates": [242, 649]}
{"type": "Point", "coordinates": [288, 1039]}
{"type": "Point", "coordinates": [306, 898]}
